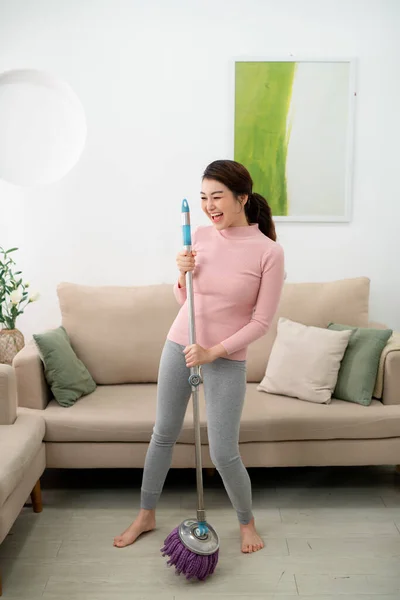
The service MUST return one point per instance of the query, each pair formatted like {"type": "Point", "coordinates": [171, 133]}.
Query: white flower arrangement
{"type": "Point", "coordinates": [14, 297]}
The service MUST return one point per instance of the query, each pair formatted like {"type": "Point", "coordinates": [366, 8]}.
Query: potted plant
{"type": "Point", "coordinates": [13, 300]}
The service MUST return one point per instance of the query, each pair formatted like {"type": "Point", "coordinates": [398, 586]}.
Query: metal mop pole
{"type": "Point", "coordinates": [193, 547]}
{"type": "Point", "coordinates": [197, 535]}
{"type": "Point", "coordinates": [194, 379]}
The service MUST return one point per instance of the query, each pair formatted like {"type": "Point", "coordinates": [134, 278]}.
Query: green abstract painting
{"type": "Point", "coordinates": [291, 130]}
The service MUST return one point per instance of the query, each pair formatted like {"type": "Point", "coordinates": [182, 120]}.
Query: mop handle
{"type": "Point", "coordinates": [194, 378]}
{"type": "Point", "coordinates": [187, 243]}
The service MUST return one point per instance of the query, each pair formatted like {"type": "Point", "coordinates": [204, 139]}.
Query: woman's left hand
{"type": "Point", "coordinates": [196, 355]}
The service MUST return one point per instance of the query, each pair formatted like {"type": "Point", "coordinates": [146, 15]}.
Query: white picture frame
{"type": "Point", "coordinates": [320, 121]}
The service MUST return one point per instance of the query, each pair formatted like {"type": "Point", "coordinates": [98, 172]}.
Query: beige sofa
{"type": "Point", "coordinates": [22, 455]}
{"type": "Point", "coordinates": [118, 332]}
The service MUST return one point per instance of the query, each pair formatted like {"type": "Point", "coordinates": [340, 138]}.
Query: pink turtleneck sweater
{"type": "Point", "coordinates": [237, 285]}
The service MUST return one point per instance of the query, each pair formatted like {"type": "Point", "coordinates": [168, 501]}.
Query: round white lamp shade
{"type": "Point", "coordinates": [42, 128]}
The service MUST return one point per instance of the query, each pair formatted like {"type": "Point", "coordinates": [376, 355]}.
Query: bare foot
{"type": "Point", "coordinates": [251, 541]}
{"type": "Point", "coordinates": [145, 521]}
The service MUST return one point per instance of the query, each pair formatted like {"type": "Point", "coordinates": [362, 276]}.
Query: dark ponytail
{"type": "Point", "coordinates": [258, 211]}
{"type": "Point", "coordinates": [238, 180]}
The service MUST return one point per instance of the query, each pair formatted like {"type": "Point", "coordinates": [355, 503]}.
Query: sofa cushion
{"type": "Point", "coordinates": [66, 375]}
{"type": "Point", "coordinates": [270, 417]}
{"type": "Point", "coordinates": [123, 413]}
{"type": "Point", "coordinates": [19, 444]}
{"type": "Point", "coordinates": [358, 370]}
{"type": "Point", "coordinates": [304, 362]}
{"type": "Point", "coordinates": [318, 304]}
{"type": "Point", "coordinates": [126, 413]}
{"type": "Point", "coordinates": [118, 332]}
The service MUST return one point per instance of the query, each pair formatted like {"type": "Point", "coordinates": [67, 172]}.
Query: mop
{"type": "Point", "coordinates": [193, 547]}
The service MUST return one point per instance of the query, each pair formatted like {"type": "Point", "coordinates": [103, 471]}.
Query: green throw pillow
{"type": "Point", "coordinates": [66, 375]}
{"type": "Point", "coordinates": [359, 367]}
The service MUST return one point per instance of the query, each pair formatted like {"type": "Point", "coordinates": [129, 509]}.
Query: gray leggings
{"type": "Point", "coordinates": [224, 389]}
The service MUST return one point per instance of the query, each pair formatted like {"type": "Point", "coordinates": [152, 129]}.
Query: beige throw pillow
{"type": "Point", "coordinates": [304, 361]}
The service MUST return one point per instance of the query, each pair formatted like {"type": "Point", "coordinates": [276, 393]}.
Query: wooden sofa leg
{"type": "Point", "coordinates": [398, 469]}
{"type": "Point", "coordinates": [36, 497]}
{"type": "Point", "coordinates": [210, 472]}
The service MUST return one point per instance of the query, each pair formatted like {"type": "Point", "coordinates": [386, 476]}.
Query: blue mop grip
{"type": "Point", "coordinates": [186, 230]}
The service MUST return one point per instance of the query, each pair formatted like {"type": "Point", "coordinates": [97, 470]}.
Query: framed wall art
{"type": "Point", "coordinates": [293, 130]}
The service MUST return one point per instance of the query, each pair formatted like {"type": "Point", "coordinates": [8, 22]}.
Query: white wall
{"type": "Point", "coordinates": [155, 80]}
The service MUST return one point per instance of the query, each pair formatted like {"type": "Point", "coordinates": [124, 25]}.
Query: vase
{"type": "Point", "coordinates": [11, 342]}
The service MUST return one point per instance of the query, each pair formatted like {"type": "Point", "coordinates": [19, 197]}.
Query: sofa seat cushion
{"type": "Point", "coordinates": [126, 413]}
{"type": "Point", "coordinates": [19, 444]}
{"type": "Point", "coordinates": [269, 417]}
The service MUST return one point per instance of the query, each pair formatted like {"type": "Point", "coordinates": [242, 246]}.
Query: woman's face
{"type": "Point", "coordinates": [221, 206]}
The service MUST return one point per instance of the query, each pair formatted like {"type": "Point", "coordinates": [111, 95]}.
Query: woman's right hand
{"type": "Point", "coordinates": [186, 261]}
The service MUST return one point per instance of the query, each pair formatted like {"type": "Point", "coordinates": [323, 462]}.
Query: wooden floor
{"type": "Point", "coordinates": [330, 533]}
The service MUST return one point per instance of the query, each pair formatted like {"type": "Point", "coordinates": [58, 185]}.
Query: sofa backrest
{"type": "Point", "coordinates": [344, 301]}
{"type": "Point", "coordinates": [119, 332]}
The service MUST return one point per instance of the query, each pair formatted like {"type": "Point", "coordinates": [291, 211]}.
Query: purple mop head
{"type": "Point", "coordinates": [190, 564]}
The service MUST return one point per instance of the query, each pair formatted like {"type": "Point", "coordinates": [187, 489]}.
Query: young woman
{"type": "Point", "coordinates": [238, 274]}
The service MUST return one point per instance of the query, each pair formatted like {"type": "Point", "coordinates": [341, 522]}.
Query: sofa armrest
{"type": "Point", "coordinates": [8, 395]}
{"type": "Point", "coordinates": [387, 384]}
{"type": "Point", "coordinates": [32, 388]}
